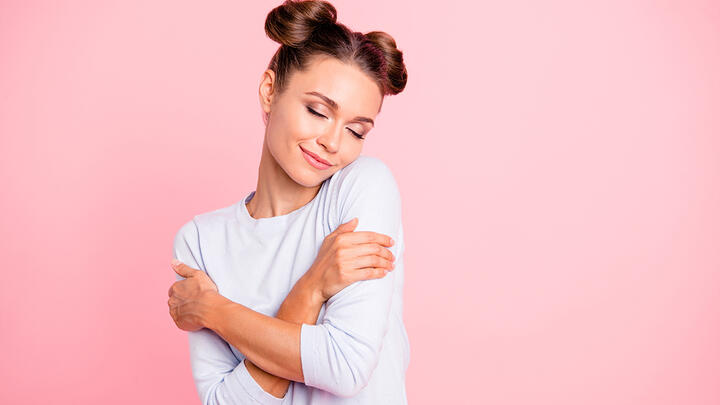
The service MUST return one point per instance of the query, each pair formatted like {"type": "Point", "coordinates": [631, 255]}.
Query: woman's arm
{"type": "Point", "coordinates": [302, 305]}
{"type": "Point", "coordinates": [272, 344]}
{"type": "Point", "coordinates": [339, 354]}
{"type": "Point", "coordinates": [219, 376]}
{"type": "Point", "coordinates": [344, 258]}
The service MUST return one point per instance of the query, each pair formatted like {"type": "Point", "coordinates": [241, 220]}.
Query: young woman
{"type": "Point", "coordinates": [294, 294]}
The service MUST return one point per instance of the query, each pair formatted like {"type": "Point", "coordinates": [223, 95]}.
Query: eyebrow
{"type": "Point", "coordinates": [334, 106]}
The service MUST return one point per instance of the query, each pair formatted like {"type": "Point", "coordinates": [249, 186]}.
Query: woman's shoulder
{"type": "Point", "coordinates": [217, 216]}
{"type": "Point", "coordinates": [365, 164]}
{"type": "Point", "coordinates": [366, 173]}
{"type": "Point", "coordinates": [208, 220]}
{"type": "Point", "coordinates": [200, 230]}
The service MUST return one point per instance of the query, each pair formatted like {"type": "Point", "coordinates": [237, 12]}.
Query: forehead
{"type": "Point", "coordinates": [352, 89]}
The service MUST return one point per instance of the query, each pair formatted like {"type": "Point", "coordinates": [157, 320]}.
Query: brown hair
{"type": "Point", "coordinates": [308, 28]}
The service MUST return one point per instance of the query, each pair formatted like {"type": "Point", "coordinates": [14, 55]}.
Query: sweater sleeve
{"type": "Point", "coordinates": [220, 378]}
{"type": "Point", "coordinates": [340, 353]}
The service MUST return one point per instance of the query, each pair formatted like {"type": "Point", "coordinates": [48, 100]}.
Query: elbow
{"type": "Point", "coordinates": [337, 361]}
{"type": "Point", "coordinates": [217, 393]}
{"type": "Point", "coordinates": [215, 396]}
{"type": "Point", "coordinates": [349, 390]}
{"type": "Point", "coordinates": [356, 377]}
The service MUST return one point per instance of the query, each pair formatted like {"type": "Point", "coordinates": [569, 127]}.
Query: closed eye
{"type": "Point", "coordinates": [315, 112]}
{"type": "Point", "coordinates": [320, 115]}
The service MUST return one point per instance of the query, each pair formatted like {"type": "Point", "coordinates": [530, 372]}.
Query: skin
{"type": "Point", "coordinates": [286, 182]}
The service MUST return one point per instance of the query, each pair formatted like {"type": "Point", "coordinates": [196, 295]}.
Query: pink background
{"type": "Point", "coordinates": [559, 164]}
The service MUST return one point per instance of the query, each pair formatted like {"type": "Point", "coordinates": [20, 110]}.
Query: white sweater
{"type": "Point", "coordinates": [358, 351]}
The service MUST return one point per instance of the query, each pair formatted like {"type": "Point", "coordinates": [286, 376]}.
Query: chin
{"type": "Point", "coordinates": [306, 176]}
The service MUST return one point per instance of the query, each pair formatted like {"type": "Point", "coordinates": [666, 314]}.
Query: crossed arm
{"type": "Point", "coordinates": [268, 343]}
{"type": "Point", "coordinates": [337, 355]}
{"type": "Point", "coordinates": [277, 348]}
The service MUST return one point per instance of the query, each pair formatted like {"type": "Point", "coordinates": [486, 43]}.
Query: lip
{"type": "Point", "coordinates": [315, 160]}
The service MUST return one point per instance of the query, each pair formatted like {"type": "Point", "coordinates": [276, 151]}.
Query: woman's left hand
{"type": "Point", "coordinates": [190, 299]}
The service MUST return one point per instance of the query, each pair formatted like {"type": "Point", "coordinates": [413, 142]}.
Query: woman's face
{"type": "Point", "coordinates": [324, 110]}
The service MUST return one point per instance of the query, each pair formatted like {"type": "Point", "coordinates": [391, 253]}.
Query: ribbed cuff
{"type": "Point", "coordinates": [309, 344]}
{"type": "Point", "coordinates": [253, 388]}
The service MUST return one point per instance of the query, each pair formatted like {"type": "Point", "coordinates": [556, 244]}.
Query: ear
{"type": "Point", "coordinates": [267, 90]}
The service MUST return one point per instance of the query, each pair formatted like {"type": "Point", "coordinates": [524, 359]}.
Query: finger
{"type": "Point", "coordinates": [370, 237]}
{"type": "Point", "coordinates": [367, 249]}
{"type": "Point", "coordinates": [348, 226]}
{"type": "Point", "coordinates": [370, 273]}
{"type": "Point", "coordinates": [183, 269]}
{"type": "Point", "coordinates": [374, 261]}
{"type": "Point", "coordinates": [379, 250]}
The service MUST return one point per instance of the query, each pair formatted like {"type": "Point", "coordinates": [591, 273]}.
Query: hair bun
{"type": "Point", "coordinates": [308, 28]}
{"type": "Point", "coordinates": [395, 66]}
{"type": "Point", "coordinates": [293, 22]}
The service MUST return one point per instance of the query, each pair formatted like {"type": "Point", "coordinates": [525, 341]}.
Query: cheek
{"type": "Point", "coordinates": [286, 132]}
{"type": "Point", "coordinates": [294, 128]}
{"type": "Point", "coordinates": [306, 126]}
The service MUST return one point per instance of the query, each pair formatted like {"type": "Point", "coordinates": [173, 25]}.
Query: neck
{"type": "Point", "coordinates": [277, 193]}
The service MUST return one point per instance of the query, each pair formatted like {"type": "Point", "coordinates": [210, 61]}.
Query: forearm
{"type": "Point", "coordinates": [271, 344]}
{"type": "Point", "coordinates": [300, 307]}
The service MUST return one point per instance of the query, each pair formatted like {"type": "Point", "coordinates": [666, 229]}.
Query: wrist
{"type": "Point", "coordinates": [303, 303]}
{"type": "Point", "coordinates": [310, 287]}
{"type": "Point", "coordinates": [215, 305]}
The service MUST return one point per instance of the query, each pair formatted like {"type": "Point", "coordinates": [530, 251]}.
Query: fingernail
{"type": "Point", "coordinates": [392, 241]}
{"type": "Point", "coordinates": [175, 262]}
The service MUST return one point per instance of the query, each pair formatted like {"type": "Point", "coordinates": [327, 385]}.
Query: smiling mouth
{"type": "Point", "coordinates": [316, 157]}
{"type": "Point", "coordinates": [313, 161]}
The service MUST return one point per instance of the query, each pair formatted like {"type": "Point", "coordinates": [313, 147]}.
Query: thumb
{"type": "Point", "coordinates": [348, 226]}
{"type": "Point", "coordinates": [181, 268]}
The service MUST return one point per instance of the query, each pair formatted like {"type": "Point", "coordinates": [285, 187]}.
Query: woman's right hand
{"type": "Point", "coordinates": [346, 257]}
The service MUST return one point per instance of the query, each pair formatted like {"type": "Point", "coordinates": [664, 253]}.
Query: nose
{"type": "Point", "coordinates": [331, 138]}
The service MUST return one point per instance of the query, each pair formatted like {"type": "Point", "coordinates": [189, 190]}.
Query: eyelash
{"type": "Point", "coordinates": [320, 115]}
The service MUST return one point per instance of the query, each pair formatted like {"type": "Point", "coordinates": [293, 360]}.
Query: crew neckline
{"type": "Point", "coordinates": [276, 222]}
